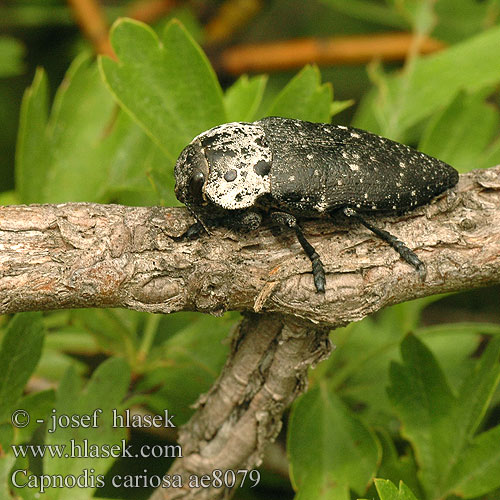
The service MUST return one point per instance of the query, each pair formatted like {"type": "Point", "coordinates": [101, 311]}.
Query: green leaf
{"type": "Point", "coordinates": [166, 85]}
{"type": "Point", "coordinates": [6, 435]}
{"type": "Point", "coordinates": [441, 426]}
{"type": "Point", "coordinates": [19, 354]}
{"type": "Point", "coordinates": [32, 156]}
{"type": "Point", "coordinates": [426, 406]}
{"type": "Point", "coordinates": [477, 390]}
{"type": "Point", "coordinates": [163, 181]}
{"type": "Point", "coordinates": [339, 106]}
{"type": "Point", "coordinates": [105, 391]}
{"type": "Point", "coordinates": [6, 463]}
{"type": "Point", "coordinates": [11, 57]}
{"type": "Point", "coordinates": [9, 198]}
{"type": "Point", "coordinates": [115, 330]}
{"type": "Point", "coordinates": [69, 338]}
{"type": "Point", "coordinates": [38, 406]}
{"type": "Point", "coordinates": [404, 100]}
{"type": "Point", "coordinates": [81, 115]}
{"type": "Point", "coordinates": [186, 363]}
{"type": "Point", "coordinates": [462, 132]}
{"type": "Point", "coordinates": [304, 98]}
{"type": "Point", "coordinates": [65, 158]}
{"type": "Point", "coordinates": [87, 150]}
{"type": "Point", "coordinates": [477, 469]}
{"type": "Point", "coordinates": [460, 20]}
{"type": "Point", "coordinates": [370, 11]}
{"type": "Point", "coordinates": [243, 98]}
{"type": "Point", "coordinates": [491, 156]}
{"type": "Point", "coordinates": [331, 450]}
{"type": "Point", "coordinates": [130, 156]}
{"type": "Point", "coordinates": [420, 15]}
{"type": "Point", "coordinates": [54, 364]}
{"type": "Point", "coordinates": [359, 367]}
{"type": "Point", "coordinates": [388, 491]}
{"type": "Point", "coordinates": [453, 346]}
{"type": "Point", "coordinates": [395, 467]}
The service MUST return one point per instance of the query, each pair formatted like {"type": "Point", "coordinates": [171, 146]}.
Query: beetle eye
{"type": "Point", "coordinates": [196, 184]}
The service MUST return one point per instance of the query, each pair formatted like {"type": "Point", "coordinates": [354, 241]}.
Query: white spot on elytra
{"type": "Point", "coordinates": [353, 167]}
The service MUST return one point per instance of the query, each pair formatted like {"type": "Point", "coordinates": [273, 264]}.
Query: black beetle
{"type": "Point", "coordinates": [236, 172]}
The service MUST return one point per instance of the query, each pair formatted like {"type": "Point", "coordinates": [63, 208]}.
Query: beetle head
{"type": "Point", "coordinates": [226, 167]}
{"type": "Point", "coordinates": [191, 173]}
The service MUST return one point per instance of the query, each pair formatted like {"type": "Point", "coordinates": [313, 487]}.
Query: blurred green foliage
{"type": "Point", "coordinates": [412, 403]}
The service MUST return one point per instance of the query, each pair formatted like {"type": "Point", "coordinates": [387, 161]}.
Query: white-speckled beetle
{"type": "Point", "coordinates": [292, 169]}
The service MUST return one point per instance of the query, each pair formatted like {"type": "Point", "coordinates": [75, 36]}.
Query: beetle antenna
{"type": "Point", "coordinates": [198, 219]}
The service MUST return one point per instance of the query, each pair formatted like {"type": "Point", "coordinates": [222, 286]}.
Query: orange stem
{"type": "Point", "coordinates": [90, 16]}
{"type": "Point", "coordinates": [359, 49]}
{"type": "Point", "coordinates": [149, 11]}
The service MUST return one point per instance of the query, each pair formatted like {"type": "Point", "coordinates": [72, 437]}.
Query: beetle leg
{"type": "Point", "coordinates": [244, 221]}
{"type": "Point", "coordinates": [240, 221]}
{"type": "Point", "coordinates": [287, 220]}
{"type": "Point", "coordinates": [398, 245]}
{"type": "Point", "coordinates": [193, 232]}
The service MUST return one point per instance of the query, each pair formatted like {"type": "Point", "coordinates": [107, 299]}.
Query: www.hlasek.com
{"type": "Point", "coordinates": [22, 478]}
{"type": "Point", "coordinates": [85, 449]}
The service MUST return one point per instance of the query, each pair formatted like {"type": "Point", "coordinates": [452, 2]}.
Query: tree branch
{"type": "Point", "coordinates": [266, 370]}
{"type": "Point", "coordinates": [89, 255]}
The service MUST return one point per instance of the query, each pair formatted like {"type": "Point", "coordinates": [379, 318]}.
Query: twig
{"type": "Point", "coordinates": [265, 372]}
{"type": "Point", "coordinates": [90, 255]}
{"type": "Point", "coordinates": [231, 16]}
{"type": "Point", "coordinates": [288, 54]}
{"type": "Point", "coordinates": [261, 57]}
{"type": "Point", "coordinates": [149, 11]}
{"type": "Point", "coordinates": [91, 18]}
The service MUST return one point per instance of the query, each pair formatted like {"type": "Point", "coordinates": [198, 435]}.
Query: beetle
{"type": "Point", "coordinates": [236, 173]}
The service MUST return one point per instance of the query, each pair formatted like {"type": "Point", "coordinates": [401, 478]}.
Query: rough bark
{"type": "Point", "coordinates": [89, 255]}
{"type": "Point", "coordinates": [266, 370]}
